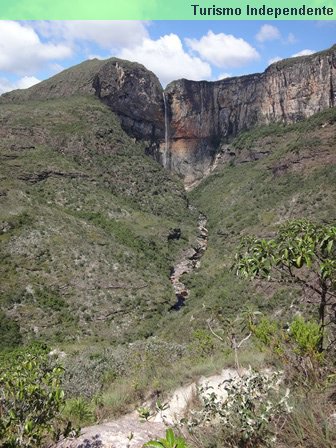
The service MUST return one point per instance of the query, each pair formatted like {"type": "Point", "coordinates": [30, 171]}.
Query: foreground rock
{"type": "Point", "coordinates": [115, 434]}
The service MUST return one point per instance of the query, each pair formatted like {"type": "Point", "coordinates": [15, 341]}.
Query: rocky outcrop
{"type": "Point", "coordinates": [129, 89]}
{"type": "Point", "coordinates": [116, 433]}
{"type": "Point", "coordinates": [202, 115]}
{"type": "Point", "coordinates": [185, 126]}
{"type": "Point", "coordinates": [135, 94]}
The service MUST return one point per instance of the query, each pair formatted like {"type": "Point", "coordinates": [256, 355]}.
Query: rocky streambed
{"type": "Point", "coordinates": [189, 262]}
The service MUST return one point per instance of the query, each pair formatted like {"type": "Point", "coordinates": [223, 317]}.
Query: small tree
{"type": "Point", "coordinates": [302, 253]}
{"type": "Point", "coordinates": [31, 399]}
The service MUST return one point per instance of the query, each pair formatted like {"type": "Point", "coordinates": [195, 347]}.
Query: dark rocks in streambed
{"type": "Point", "coordinates": [189, 261]}
{"type": "Point", "coordinates": [174, 234]}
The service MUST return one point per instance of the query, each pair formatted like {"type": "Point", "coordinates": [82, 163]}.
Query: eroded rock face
{"type": "Point", "coordinates": [135, 94]}
{"type": "Point", "coordinates": [129, 89]}
{"type": "Point", "coordinates": [185, 128]}
{"type": "Point", "coordinates": [203, 114]}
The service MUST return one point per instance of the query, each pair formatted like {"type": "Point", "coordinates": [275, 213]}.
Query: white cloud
{"type": "Point", "coordinates": [167, 59]}
{"type": "Point", "coordinates": [56, 68]}
{"type": "Point", "coordinates": [305, 52]}
{"type": "Point", "coordinates": [21, 50]}
{"type": "Point", "coordinates": [26, 82]}
{"type": "Point", "coordinates": [275, 59]}
{"type": "Point", "coordinates": [224, 50]}
{"type": "Point", "coordinates": [268, 32]}
{"type": "Point", "coordinates": [106, 34]}
{"type": "Point", "coordinates": [22, 83]}
{"type": "Point", "coordinates": [5, 86]}
{"type": "Point", "coordinates": [223, 76]}
{"type": "Point", "coordinates": [291, 39]}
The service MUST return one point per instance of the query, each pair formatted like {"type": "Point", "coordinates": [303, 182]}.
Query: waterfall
{"type": "Point", "coordinates": [166, 124]}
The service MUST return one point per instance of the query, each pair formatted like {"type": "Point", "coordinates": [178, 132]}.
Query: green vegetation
{"type": "Point", "coordinates": [302, 253]}
{"type": "Point", "coordinates": [78, 411]}
{"type": "Point", "coordinates": [85, 260]}
{"type": "Point", "coordinates": [31, 399]}
{"type": "Point", "coordinates": [170, 441]}
{"type": "Point", "coordinates": [242, 419]}
{"type": "Point", "coordinates": [84, 221]}
{"type": "Point", "coordinates": [10, 332]}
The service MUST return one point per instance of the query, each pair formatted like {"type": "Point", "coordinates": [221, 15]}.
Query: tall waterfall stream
{"type": "Point", "coordinates": [191, 257]}
{"type": "Point", "coordinates": [166, 123]}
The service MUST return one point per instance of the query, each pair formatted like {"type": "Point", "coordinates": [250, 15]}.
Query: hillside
{"type": "Point", "coordinates": [195, 116]}
{"type": "Point", "coordinates": [85, 217]}
{"type": "Point", "coordinates": [95, 233]}
{"type": "Point", "coordinates": [264, 178]}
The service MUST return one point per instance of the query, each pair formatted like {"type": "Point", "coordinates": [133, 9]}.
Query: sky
{"type": "Point", "coordinates": [210, 50]}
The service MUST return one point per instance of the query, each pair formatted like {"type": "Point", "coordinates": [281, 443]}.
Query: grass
{"type": "Point", "coordinates": [85, 258]}
{"type": "Point", "coordinates": [85, 218]}
{"type": "Point", "coordinates": [154, 375]}
{"type": "Point", "coordinates": [310, 424]}
{"type": "Point", "coordinates": [251, 198]}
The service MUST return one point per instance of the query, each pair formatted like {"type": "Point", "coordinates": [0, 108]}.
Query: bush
{"type": "Point", "coordinates": [78, 409]}
{"type": "Point", "coordinates": [31, 399]}
{"type": "Point", "coordinates": [246, 409]}
{"type": "Point", "coordinates": [306, 335]}
{"type": "Point", "coordinates": [265, 331]}
{"type": "Point", "coordinates": [202, 343]}
{"type": "Point", "coordinates": [297, 347]}
{"type": "Point", "coordinates": [302, 253]}
{"type": "Point", "coordinates": [10, 332]}
{"type": "Point", "coordinates": [170, 441]}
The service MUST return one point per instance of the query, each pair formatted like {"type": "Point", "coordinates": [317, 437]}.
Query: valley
{"type": "Point", "coordinates": [122, 206]}
{"type": "Point", "coordinates": [191, 260]}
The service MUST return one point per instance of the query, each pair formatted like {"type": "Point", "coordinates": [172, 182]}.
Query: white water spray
{"type": "Point", "coordinates": [166, 123]}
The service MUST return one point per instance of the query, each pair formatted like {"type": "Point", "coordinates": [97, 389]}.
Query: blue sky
{"type": "Point", "coordinates": [33, 51]}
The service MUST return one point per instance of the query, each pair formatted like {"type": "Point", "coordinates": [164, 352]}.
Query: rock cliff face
{"type": "Point", "coordinates": [185, 126]}
{"type": "Point", "coordinates": [129, 89]}
{"type": "Point", "coordinates": [202, 115]}
{"type": "Point", "coordinates": [135, 94]}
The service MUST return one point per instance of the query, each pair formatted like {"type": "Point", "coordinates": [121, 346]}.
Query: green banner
{"type": "Point", "coordinates": [168, 10]}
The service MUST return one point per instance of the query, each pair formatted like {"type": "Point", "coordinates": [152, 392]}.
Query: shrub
{"type": "Point", "coordinates": [303, 254]}
{"type": "Point", "coordinates": [306, 335]}
{"type": "Point", "coordinates": [170, 441]}
{"type": "Point", "coordinates": [202, 343]}
{"type": "Point", "coordinates": [79, 411]}
{"type": "Point", "coordinates": [297, 347]}
{"type": "Point", "coordinates": [31, 399]}
{"type": "Point", "coordinates": [247, 408]}
{"type": "Point", "coordinates": [10, 332]}
{"type": "Point", "coordinates": [265, 331]}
